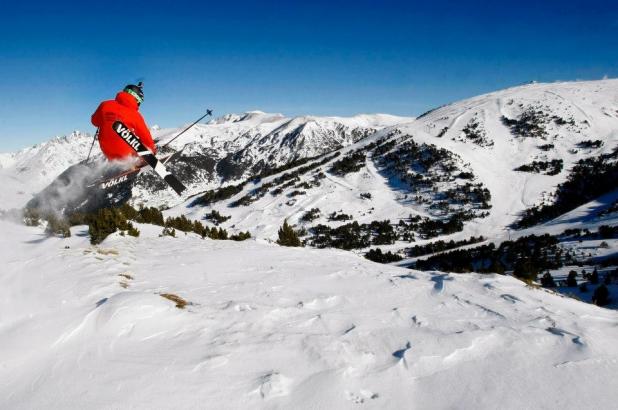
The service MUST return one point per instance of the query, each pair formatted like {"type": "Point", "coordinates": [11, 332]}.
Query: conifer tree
{"type": "Point", "coordinates": [547, 281]}
{"type": "Point", "coordinates": [601, 296]}
{"type": "Point", "coordinates": [594, 277]}
{"type": "Point", "coordinates": [132, 230]}
{"type": "Point", "coordinates": [287, 236]}
{"type": "Point", "coordinates": [572, 279]}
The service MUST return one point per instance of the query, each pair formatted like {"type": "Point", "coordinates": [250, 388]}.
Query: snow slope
{"type": "Point", "coordinates": [272, 327]}
{"type": "Point", "coordinates": [592, 105]}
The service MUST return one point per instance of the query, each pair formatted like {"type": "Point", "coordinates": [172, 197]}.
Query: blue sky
{"type": "Point", "coordinates": [58, 59]}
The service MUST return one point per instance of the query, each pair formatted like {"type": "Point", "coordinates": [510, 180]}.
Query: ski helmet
{"type": "Point", "coordinates": [136, 91]}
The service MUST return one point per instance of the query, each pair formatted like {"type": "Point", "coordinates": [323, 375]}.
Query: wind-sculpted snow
{"type": "Point", "coordinates": [272, 327]}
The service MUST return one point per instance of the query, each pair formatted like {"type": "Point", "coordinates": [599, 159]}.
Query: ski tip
{"type": "Point", "coordinates": [175, 184]}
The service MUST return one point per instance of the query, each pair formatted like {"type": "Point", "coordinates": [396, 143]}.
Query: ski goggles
{"type": "Point", "coordinates": [138, 97]}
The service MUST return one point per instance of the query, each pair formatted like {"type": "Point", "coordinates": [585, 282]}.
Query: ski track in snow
{"type": "Point", "coordinates": [580, 109]}
{"type": "Point", "coordinates": [272, 327]}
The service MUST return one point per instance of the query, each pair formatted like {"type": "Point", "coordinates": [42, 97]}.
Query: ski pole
{"type": "Point", "coordinates": [208, 112]}
{"type": "Point", "coordinates": [96, 134]}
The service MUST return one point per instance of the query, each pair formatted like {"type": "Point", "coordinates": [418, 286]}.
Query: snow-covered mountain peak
{"type": "Point", "coordinates": [62, 146]}
{"type": "Point", "coordinates": [253, 117]}
{"type": "Point", "coordinates": [27, 171]}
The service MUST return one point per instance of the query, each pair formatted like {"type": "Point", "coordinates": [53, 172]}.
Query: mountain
{"type": "Point", "coordinates": [26, 172]}
{"type": "Point", "coordinates": [481, 161]}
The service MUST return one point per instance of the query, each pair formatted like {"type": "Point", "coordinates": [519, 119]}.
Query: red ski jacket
{"type": "Point", "coordinates": [125, 109]}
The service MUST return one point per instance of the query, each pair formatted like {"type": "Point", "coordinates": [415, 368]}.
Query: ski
{"type": "Point", "coordinates": [133, 141]}
{"type": "Point", "coordinates": [123, 176]}
{"type": "Point", "coordinates": [109, 182]}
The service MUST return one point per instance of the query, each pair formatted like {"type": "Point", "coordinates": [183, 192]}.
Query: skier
{"type": "Point", "coordinates": [125, 108]}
